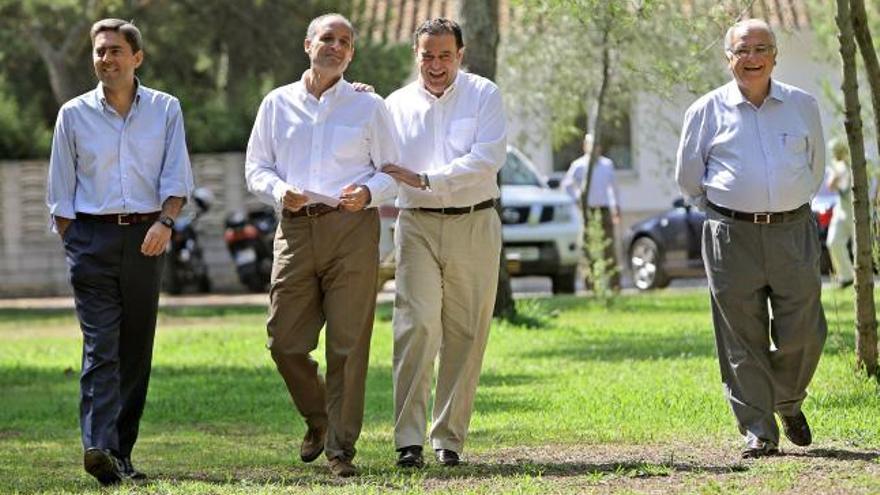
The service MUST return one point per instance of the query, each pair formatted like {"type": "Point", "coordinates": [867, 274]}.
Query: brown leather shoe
{"type": "Point", "coordinates": [313, 443]}
{"type": "Point", "coordinates": [796, 429]}
{"type": "Point", "coordinates": [342, 468]}
{"type": "Point", "coordinates": [760, 448]}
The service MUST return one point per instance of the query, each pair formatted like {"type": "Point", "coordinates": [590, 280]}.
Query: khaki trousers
{"type": "Point", "coordinates": [447, 276]}
{"type": "Point", "coordinates": [325, 271]}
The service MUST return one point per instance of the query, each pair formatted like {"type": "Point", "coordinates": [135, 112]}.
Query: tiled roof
{"type": "Point", "coordinates": [395, 20]}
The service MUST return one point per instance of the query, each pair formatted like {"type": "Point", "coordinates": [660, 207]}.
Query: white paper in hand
{"type": "Point", "coordinates": [320, 198]}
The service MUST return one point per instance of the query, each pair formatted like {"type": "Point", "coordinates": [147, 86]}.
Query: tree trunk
{"type": "Point", "coordinates": [479, 24]}
{"type": "Point", "coordinates": [866, 323]}
{"type": "Point", "coordinates": [595, 128]}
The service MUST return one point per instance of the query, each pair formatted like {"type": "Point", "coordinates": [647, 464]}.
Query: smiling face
{"type": "Point", "coordinates": [332, 47]}
{"type": "Point", "coordinates": [114, 60]}
{"type": "Point", "coordinates": [751, 58]}
{"type": "Point", "coordinates": [439, 59]}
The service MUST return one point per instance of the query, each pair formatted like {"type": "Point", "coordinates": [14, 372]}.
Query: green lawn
{"type": "Point", "coordinates": [625, 399]}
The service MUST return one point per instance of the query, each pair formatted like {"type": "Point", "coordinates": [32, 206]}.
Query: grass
{"type": "Point", "coordinates": [574, 398]}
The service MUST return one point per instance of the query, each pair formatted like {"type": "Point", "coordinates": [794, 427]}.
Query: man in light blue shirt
{"type": "Point", "coordinates": [752, 155]}
{"type": "Point", "coordinates": [118, 176]}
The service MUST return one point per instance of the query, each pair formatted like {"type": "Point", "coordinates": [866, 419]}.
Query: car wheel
{"type": "Point", "coordinates": [644, 261]}
{"type": "Point", "coordinates": [564, 283]}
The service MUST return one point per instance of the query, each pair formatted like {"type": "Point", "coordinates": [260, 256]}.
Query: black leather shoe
{"type": "Point", "coordinates": [760, 448]}
{"type": "Point", "coordinates": [796, 429]}
{"type": "Point", "coordinates": [447, 457]}
{"type": "Point", "coordinates": [313, 443]}
{"type": "Point", "coordinates": [103, 466]}
{"type": "Point", "coordinates": [410, 457]}
{"type": "Point", "coordinates": [128, 470]}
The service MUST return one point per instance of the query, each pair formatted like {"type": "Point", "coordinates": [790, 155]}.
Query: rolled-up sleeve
{"type": "Point", "coordinates": [259, 168]}
{"type": "Point", "coordinates": [176, 178]}
{"type": "Point", "coordinates": [61, 181]}
{"type": "Point", "coordinates": [690, 166]}
{"type": "Point", "coordinates": [383, 149]}
{"type": "Point", "coordinates": [487, 154]}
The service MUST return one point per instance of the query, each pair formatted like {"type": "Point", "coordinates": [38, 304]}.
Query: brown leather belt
{"type": "Point", "coordinates": [312, 210]}
{"type": "Point", "coordinates": [120, 218]}
{"type": "Point", "coordinates": [461, 210]}
{"type": "Point", "coordinates": [763, 218]}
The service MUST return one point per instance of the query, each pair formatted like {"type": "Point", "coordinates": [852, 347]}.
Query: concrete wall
{"type": "Point", "coordinates": [32, 258]}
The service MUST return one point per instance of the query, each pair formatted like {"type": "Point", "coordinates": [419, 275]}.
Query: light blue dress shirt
{"type": "Point", "coordinates": [752, 159]}
{"type": "Point", "coordinates": [102, 163]}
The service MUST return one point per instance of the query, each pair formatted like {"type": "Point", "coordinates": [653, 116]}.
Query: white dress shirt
{"type": "Point", "coordinates": [320, 145]}
{"type": "Point", "coordinates": [603, 191]}
{"type": "Point", "coordinates": [103, 163]}
{"type": "Point", "coordinates": [752, 159]}
{"type": "Point", "coordinates": [458, 139]}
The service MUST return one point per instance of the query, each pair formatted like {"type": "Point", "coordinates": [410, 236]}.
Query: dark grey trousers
{"type": "Point", "coordinates": [751, 266]}
{"type": "Point", "coordinates": [116, 290]}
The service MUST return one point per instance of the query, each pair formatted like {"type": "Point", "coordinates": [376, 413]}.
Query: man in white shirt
{"type": "Point", "coordinates": [840, 229]}
{"type": "Point", "coordinates": [752, 155]}
{"type": "Point", "coordinates": [452, 130]}
{"type": "Point", "coordinates": [601, 200]}
{"type": "Point", "coordinates": [314, 153]}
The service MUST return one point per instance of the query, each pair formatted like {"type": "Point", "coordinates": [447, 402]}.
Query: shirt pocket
{"type": "Point", "coordinates": [794, 147]}
{"type": "Point", "coordinates": [349, 143]}
{"type": "Point", "coordinates": [462, 134]}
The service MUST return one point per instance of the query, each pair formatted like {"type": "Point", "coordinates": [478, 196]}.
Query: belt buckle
{"type": "Point", "coordinates": [762, 218]}
{"type": "Point", "coordinates": [120, 221]}
{"type": "Point", "coordinates": [312, 208]}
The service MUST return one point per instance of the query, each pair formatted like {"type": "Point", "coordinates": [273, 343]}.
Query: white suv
{"type": "Point", "coordinates": [542, 227]}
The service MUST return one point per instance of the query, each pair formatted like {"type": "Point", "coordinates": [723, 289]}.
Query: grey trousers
{"type": "Point", "coordinates": [751, 266]}
{"type": "Point", "coordinates": [325, 271]}
{"type": "Point", "coordinates": [116, 291]}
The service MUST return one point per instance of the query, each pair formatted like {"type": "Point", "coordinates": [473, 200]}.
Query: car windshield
{"type": "Point", "coordinates": [516, 173]}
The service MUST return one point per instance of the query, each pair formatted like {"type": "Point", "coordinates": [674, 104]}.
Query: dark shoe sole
{"type": "Point", "coordinates": [311, 457]}
{"type": "Point", "coordinates": [102, 467]}
{"type": "Point", "coordinates": [800, 436]}
{"type": "Point", "coordinates": [757, 453]}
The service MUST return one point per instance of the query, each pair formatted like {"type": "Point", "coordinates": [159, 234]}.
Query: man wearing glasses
{"type": "Point", "coordinates": [752, 156]}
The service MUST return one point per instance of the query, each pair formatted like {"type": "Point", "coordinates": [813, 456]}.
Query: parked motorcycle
{"type": "Point", "coordinates": [185, 265]}
{"type": "Point", "coordinates": [249, 238]}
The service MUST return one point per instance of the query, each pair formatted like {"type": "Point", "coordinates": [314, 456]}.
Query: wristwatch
{"type": "Point", "coordinates": [166, 221]}
{"type": "Point", "coordinates": [423, 182]}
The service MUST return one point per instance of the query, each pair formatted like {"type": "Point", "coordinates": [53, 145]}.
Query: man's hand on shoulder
{"type": "Point", "coordinates": [156, 239]}
{"type": "Point", "coordinates": [363, 87]}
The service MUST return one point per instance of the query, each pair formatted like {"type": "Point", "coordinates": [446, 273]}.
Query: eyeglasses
{"type": "Point", "coordinates": [759, 50]}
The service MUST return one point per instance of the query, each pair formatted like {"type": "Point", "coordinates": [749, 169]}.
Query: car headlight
{"type": "Point", "coordinates": [564, 213]}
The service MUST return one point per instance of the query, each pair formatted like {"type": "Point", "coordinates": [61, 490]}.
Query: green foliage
{"type": "Point", "coordinates": [597, 269]}
{"type": "Point", "coordinates": [385, 67]}
{"type": "Point", "coordinates": [218, 58]}
{"type": "Point", "coordinates": [551, 62]}
{"type": "Point", "coordinates": [22, 133]}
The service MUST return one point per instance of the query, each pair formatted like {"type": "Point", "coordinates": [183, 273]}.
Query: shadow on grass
{"type": "Point", "coordinates": [838, 455]}
{"type": "Point", "coordinates": [392, 477]}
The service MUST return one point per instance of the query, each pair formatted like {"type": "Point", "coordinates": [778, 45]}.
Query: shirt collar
{"type": "Point", "coordinates": [446, 94]}
{"type": "Point", "coordinates": [101, 98]}
{"type": "Point", "coordinates": [735, 97]}
{"type": "Point", "coordinates": [339, 88]}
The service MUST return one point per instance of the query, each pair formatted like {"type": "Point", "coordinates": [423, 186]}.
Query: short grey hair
{"type": "Point", "coordinates": [317, 21]}
{"type": "Point", "coordinates": [747, 24]}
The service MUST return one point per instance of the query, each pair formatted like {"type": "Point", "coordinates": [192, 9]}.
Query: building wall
{"type": "Point", "coordinates": [32, 258]}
